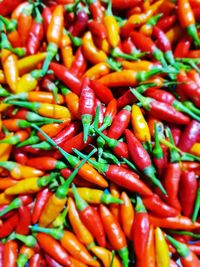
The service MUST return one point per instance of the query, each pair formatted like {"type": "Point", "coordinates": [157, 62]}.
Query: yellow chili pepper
{"type": "Point", "coordinates": [195, 149]}
{"type": "Point", "coordinates": [28, 82]}
{"type": "Point", "coordinates": [10, 67]}
{"type": "Point", "coordinates": [103, 45]}
{"type": "Point", "coordinates": [111, 26]}
{"type": "Point", "coordinates": [67, 56]}
{"type": "Point", "coordinates": [30, 63]}
{"type": "Point", "coordinates": [106, 256]}
{"type": "Point", "coordinates": [142, 18]}
{"type": "Point", "coordinates": [97, 71]}
{"type": "Point", "coordinates": [174, 34]}
{"type": "Point", "coordinates": [5, 150]}
{"type": "Point", "coordinates": [90, 51]}
{"type": "Point", "coordinates": [162, 251]}
{"type": "Point", "coordinates": [30, 186]}
{"type": "Point", "coordinates": [18, 171]}
{"type": "Point", "coordinates": [139, 124]}
{"type": "Point", "coordinates": [4, 106]}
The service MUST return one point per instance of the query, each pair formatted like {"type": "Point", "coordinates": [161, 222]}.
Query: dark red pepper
{"type": "Point", "coordinates": [9, 225]}
{"type": "Point", "coordinates": [101, 91]}
{"type": "Point", "coordinates": [24, 220]}
{"type": "Point", "coordinates": [79, 64]}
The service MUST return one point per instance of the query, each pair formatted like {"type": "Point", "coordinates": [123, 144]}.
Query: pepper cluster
{"type": "Point", "coordinates": [99, 133]}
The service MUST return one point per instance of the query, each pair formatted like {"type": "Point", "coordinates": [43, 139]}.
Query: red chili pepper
{"type": "Point", "coordinates": [79, 64]}
{"type": "Point", "coordinates": [67, 133]}
{"type": "Point", "coordinates": [46, 163]}
{"type": "Point", "coordinates": [41, 199]}
{"type": "Point", "coordinates": [97, 29]}
{"type": "Point", "coordinates": [55, 250]}
{"type": "Point", "coordinates": [145, 44]}
{"type": "Point", "coordinates": [80, 24]}
{"type": "Point", "coordinates": [189, 135]}
{"type": "Point", "coordinates": [46, 15]}
{"type": "Point", "coordinates": [96, 9]}
{"type": "Point", "coordinates": [166, 23]}
{"type": "Point", "coordinates": [36, 34]}
{"type": "Point", "coordinates": [9, 225]}
{"type": "Point", "coordinates": [90, 217]}
{"type": "Point", "coordinates": [24, 220]}
{"type": "Point", "coordinates": [161, 110]}
{"type": "Point", "coordinates": [158, 207]}
{"type": "Point", "coordinates": [66, 77]}
{"type": "Point", "coordinates": [35, 260]}
{"type": "Point", "coordinates": [7, 6]}
{"type": "Point", "coordinates": [101, 91]}
{"type": "Point", "coordinates": [120, 123]}
{"type": "Point", "coordinates": [183, 47]}
{"type": "Point", "coordinates": [140, 230]}
{"type": "Point", "coordinates": [10, 253]}
{"type": "Point", "coordinates": [51, 262]}
{"type": "Point", "coordinates": [187, 192]}
{"type": "Point", "coordinates": [115, 234]}
{"type": "Point", "coordinates": [141, 158]}
{"type": "Point", "coordinates": [86, 107]}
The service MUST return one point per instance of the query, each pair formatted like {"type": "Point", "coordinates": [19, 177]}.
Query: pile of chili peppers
{"type": "Point", "coordinates": [100, 133]}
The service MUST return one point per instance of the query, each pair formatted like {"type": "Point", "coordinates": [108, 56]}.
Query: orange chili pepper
{"type": "Point", "coordinates": [114, 208]}
{"type": "Point", "coordinates": [10, 67]}
{"type": "Point", "coordinates": [97, 71]}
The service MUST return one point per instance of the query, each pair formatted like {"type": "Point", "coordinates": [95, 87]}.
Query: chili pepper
{"type": "Point", "coordinates": [19, 136]}
{"type": "Point", "coordinates": [196, 205]}
{"type": "Point", "coordinates": [24, 23]}
{"type": "Point", "coordinates": [79, 64]}
{"type": "Point", "coordinates": [9, 225]}
{"type": "Point", "coordinates": [36, 34]}
{"type": "Point", "coordinates": [97, 71]}
{"type": "Point", "coordinates": [188, 186]}
{"type": "Point", "coordinates": [106, 256]}
{"type": "Point", "coordinates": [66, 133]}
{"type": "Point", "coordinates": [28, 82]}
{"type": "Point", "coordinates": [41, 199]}
{"type": "Point", "coordinates": [66, 77]}
{"type": "Point", "coordinates": [178, 222]}
{"type": "Point", "coordinates": [58, 199]}
{"type": "Point", "coordinates": [18, 171]}
{"type": "Point", "coordinates": [120, 123]}
{"type": "Point", "coordinates": [86, 107]}
{"type": "Point", "coordinates": [189, 135]}
{"type": "Point", "coordinates": [69, 241]}
{"type": "Point", "coordinates": [142, 159]}
{"type": "Point", "coordinates": [147, 28]}
{"type": "Point", "coordinates": [145, 44]}
{"type": "Point", "coordinates": [95, 196]}
{"type": "Point", "coordinates": [10, 253]}
{"type": "Point", "coordinates": [101, 91]}
{"type": "Point", "coordinates": [90, 218]}
{"type": "Point", "coordinates": [127, 77]}
{"type": "Point", "coordinates": [8, 6]}
{"type": "Point", "coordinates": [144, 17]}
{"type": "Point", "coordinates": [35, 260]}
{"type": "Point", "coordinates": [24, 220]}
{"type": "Point", "coordinates": [9, 63]}
{"type": "Point", "coordinates": [112, 26]}
{"type": "Point", "coordinates": [183, 47]}
{"type": "Point", "coordinates": [139, 124]}
{"type": "Point", "coordinates": [114, 233]}
{"type": "Point", "coordinates": [29, 63]}
{"type": "Point", "coordinates": [46, 15]}
{"type": "Point", "coordinates": [6, 182]}
{"type": "Point", "coordinates": [158, 207]}
{"type": "Point", "coordinates": [140, 230]}
{"type": "Point", "coordinates": [24, 255]}
{"type": "Point", "coordinates": [127, 215]}
{"type": "Point", "coordinates": [96, 9]}
{"type": "Point", "coordinates": [187, 257]}
{"type": "Point", "coordinates": [78, 227]}
{"type": "Point", "coordinates": [165, 23]}
{"type": "Point", "coordinates": [187, 19]}
{"type": "Point", "coordinates": [45, 109]}
{"type": "Point", "coordinates": [80, 23]}
{"type": "Point", "coordinates": [97, 29]}
{"type": "Point", "coordinates": [90, 52]}
{"type": "Point", "coordinates": [54, 36]}
{"type": "Point", "coordinates": [162, 251]}
{"type": "Point", "coordinates": [67, 55]}
{"type": "Point", "coordinates": [56, 251]}
{"type": "Point", "coordinates": [161, 110]}
{"type": "Point", "coordinates": [48, 163]}
{"type": "Point", "coordinates": [51, 262]}
{"type": "Point", "coordinates": [33, 185]}
{"type": "Point", "coordinates": [121, 176]}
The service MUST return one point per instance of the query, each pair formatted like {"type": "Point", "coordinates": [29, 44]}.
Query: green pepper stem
{"type": "Point", "coordinates": [181, 248]}
{"type": "Point", "coordinates": [112, 143]}
{"type": "Point", "coordinates": [8, 165]}
{"type": "Point", "coordinates": [145, 101]}
{"type": "Point", "coordinates": [174, 155]}
{"type": "Point", "coordinates": [63, 189]}
{"type": "Point", "coordinates": [124, 255]}
{"type": "Point", "coordinates": [157, 151]}
{"type": "Point", "coordinates": [52, 50]}
{"type": "Point", "coordinates": [29, 240]}
{"type": "Point", "coordinates": [81, 204]}
{"type": "Point", "coordinates": [15, 204]}
{"type": "Point", "coordinates": [22, 260]}
{"type": "Point", "coordinates": [55, 233]}
{"type": "Point", "coordinates": [196, 206]}
{"type": "Point", "coordinates": [139, 205]}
